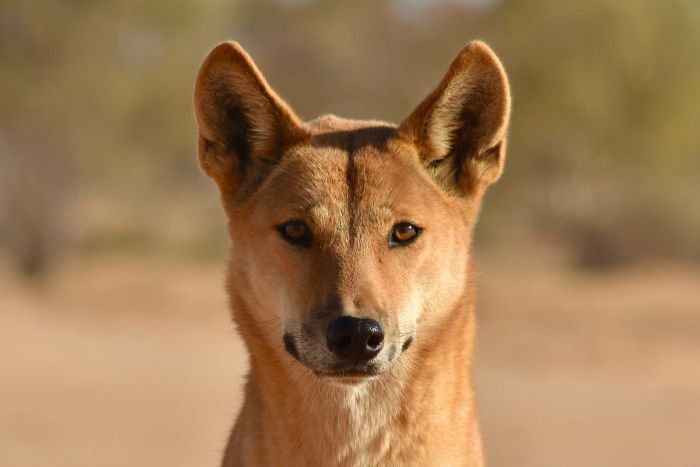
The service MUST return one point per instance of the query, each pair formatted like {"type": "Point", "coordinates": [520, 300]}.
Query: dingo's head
{"type": "Point", "coordinates": [349, 236]}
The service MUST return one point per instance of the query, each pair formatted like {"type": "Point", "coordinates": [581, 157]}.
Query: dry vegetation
{"type": "Point", "coordinates": [97, 134]}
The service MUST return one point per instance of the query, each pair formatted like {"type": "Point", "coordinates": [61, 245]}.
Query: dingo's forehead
{"type": "Point", "coordinates": [351, 181]}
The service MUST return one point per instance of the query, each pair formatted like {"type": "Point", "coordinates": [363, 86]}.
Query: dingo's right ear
{"type": "Point", "coordinates": [243, 125]}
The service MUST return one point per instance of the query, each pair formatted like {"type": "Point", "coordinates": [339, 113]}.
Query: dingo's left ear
{"type": "Point", "coordinates": [243, 125]}
{"type": "Point", "coordinates": [460, 128]}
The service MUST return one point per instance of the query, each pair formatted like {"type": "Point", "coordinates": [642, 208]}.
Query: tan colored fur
{"type": "Point", "coordinates": [350, 182]}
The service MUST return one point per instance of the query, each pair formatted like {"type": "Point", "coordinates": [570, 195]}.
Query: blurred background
{"type": "Point", "coordinates": [115, 343]}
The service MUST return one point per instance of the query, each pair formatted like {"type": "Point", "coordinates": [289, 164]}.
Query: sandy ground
{"type": "Point", "coordinates": [135, 363]}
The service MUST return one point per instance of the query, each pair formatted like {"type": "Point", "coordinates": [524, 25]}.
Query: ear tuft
{"type": "Point", "coordinates": [244, 125]}
{"type": "Point", "coordinates": [460, 128]}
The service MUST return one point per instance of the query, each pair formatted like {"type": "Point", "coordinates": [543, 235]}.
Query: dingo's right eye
{"type": "Point", "coordinates": [296, 233]}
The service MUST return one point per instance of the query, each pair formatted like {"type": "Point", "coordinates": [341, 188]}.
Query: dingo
{"type": "Point", "coordinates": [350, 272]}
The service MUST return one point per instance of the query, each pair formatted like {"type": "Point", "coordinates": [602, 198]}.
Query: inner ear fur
{"type": "Point", "coordinates": [460, 128]}
{"type": "Point", "coordinates": [244, 126]}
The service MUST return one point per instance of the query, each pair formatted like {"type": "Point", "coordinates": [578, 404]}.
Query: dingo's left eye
{"type": "Point", "coordinates": [404, 233]}
{"type": "Point", "coordinates": [296, 233]}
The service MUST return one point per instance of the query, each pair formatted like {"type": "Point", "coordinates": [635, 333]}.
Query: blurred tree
{"type": "Point", "coordinates": [97, 133]}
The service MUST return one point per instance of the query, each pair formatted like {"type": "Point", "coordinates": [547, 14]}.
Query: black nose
{"type": "Point", "coordinates": [358, 339]}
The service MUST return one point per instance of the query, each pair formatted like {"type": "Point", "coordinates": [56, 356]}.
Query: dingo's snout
{"type": "Point", "coordinates": [357, 340]}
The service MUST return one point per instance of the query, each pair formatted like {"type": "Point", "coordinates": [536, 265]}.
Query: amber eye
{"type": "Point", "coordinates": [296, 233]}
{"type": "Point", "coordinates": [404, 233]}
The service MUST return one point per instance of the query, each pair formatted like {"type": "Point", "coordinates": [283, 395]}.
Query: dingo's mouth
{"type": "Point", "coordinates": [350, 374]}
{"type": "Point", "coordinates": [347, 370]}
{"type": "Point", "coordinates": [349, 378]}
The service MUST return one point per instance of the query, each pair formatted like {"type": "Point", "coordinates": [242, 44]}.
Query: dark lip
{"type": "Point", "coordinates": [346, 373]}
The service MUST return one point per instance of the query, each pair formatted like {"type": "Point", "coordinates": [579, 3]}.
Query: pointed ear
{"type": "Point", "coordinates": [460, 128]}
{"type": "Point", "coordinates": [243, 125]}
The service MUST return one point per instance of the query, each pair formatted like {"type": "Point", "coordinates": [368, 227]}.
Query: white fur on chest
{"type": "Point", "coordinates": [361, 426]}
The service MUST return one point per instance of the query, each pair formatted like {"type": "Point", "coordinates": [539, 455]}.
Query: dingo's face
{"type": "Point", "coordinates": [352, 236]}
{"type": "Point", "coordinates": [336, 233]}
